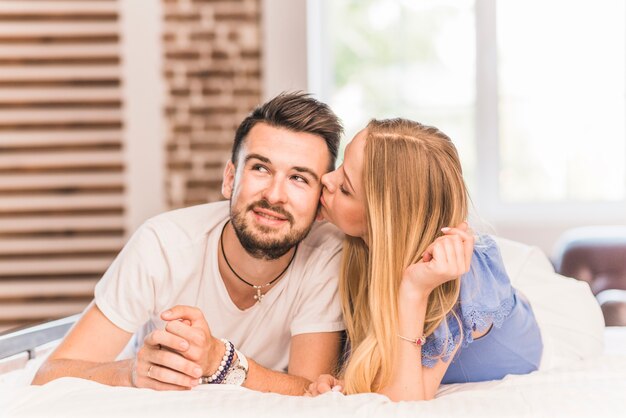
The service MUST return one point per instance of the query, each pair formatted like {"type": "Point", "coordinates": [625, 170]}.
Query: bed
{"type": "Point", "coordinates": [582, 374]}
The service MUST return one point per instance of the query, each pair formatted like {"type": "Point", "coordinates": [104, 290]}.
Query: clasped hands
{"type": "Point", "coordinates": [176, 357]}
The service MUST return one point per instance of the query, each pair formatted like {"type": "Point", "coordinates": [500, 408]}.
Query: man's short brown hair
{"type": "Point", "coordinates": [298, 112]}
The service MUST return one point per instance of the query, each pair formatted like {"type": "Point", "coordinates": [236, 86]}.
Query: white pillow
{"type": "Point", "coordinates": [570, 319]}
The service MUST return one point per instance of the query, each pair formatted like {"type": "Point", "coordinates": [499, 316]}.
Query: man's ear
{"type": "Point", "coordinates": [319, 216]}
{"type": "Point", "coordinates": [228, 180]}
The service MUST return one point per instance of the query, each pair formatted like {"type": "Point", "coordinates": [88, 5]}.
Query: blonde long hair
{"type": "Point", "coordinates": [413, 187]}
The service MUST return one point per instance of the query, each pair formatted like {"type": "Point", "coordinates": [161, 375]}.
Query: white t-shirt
{"type": "Point", "coordinates": [172, 260]}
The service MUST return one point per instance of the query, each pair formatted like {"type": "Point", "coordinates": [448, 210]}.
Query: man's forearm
{"type": "Point", "coordinates": [266, 380]}
{"type": "Point", "coordinates": [116, 373]}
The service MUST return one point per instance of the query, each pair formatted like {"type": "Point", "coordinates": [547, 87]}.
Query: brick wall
{"type": "Point", "coordinates": [212, 71]}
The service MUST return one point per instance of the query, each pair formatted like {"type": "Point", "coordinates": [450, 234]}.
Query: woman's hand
{"type": "Point", "coordinates": [325, 383]}
{"type": "Point", "coordinates": [445, 259]}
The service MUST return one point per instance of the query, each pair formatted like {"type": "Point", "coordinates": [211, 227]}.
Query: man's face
{"type": "Point", "coordinates": [274, 190]}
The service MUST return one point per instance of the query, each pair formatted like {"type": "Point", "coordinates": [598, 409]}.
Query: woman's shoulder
{"type": "Point", "coordinates": [486, 285]}
{"type": "Point", "coordinates": [486, 299]}
{"type": "Point", "coordinates": [486, 256]}
{"type": "Point", "coordinates": [487, 270]}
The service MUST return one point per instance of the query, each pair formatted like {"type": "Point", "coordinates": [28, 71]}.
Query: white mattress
{"type": "Point", "coordinates": [582, 374]}
{"type": "Point", "coordinates": [590, 388]}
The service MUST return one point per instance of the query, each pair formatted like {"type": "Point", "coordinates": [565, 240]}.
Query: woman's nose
{"type": "Point", "coordinates": [328, 183]}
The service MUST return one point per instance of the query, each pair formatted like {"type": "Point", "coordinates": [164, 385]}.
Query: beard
{"type": "Point", "coordinates": [258, 245]}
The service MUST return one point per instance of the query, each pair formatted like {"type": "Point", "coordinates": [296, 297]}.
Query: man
{"type": "Point", "coordinates": [253, 270]}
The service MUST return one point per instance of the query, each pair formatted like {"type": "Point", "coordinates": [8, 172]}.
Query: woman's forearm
{"type": "Point", "coordinates": [407, 382]}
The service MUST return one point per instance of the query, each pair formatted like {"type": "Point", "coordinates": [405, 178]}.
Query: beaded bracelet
{"type": "Point", "coordinates": [224, 366]}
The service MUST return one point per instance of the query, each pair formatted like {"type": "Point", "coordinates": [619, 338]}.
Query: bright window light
{"type": "Point", "coordinates": [561, 67]}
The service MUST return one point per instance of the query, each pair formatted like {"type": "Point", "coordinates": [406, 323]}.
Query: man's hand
{"type": "Point", "coordinates": [188, 323]}
{"type": "Point", "coordinates": [159, 364]}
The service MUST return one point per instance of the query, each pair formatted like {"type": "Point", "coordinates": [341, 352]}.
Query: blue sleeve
{"type": "Point", "coordinates": [486, 298]}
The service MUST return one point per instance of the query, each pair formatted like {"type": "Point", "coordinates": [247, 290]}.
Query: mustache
{"type": "Point", "coordinates": [264, 204]}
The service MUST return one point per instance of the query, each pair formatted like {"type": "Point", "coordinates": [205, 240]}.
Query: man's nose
{"type": "Point", "coordinates": [275, 191]}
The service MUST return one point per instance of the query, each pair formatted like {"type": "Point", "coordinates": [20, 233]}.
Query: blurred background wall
{"type": "Point", "coordinates": [112, 111]}
{"type": "Point", "coordinates": [212, 70]}
{"type": "Point", "coordinates": [62, 163]}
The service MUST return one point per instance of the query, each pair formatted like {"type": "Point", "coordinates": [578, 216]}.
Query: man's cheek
{"type": "Point", "coordinates": [310, 210]}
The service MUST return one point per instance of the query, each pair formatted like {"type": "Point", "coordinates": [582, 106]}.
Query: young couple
{"type": "Point", "coordinates": [252, 291]}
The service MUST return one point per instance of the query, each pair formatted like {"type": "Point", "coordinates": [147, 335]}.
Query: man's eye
{"type": "Point", "coordinates": [343, 190]}
{"type": "Point", "coordinates": [300, 179]}
{"type": "Point", "coordinates": [261, 168]}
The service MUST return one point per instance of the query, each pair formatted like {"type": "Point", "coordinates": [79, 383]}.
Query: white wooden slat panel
{"type": "Point", "coordinates": [60, 110]}
{"type": "Point", "coordinates": [9, 161]}
{"type": "Point", "coordinates": [18, 182]}
{"type": "Point", "coordinates": [31, 224]}
{"type": "Point", "coordinates": [43, 309]}
{"type": "Point", "coordinates": [59, 94]}
{"type": "Point", "coordinates": [58, 50]}
{"type": "Point", "coordinates": [36, 73]}
{"type": "Point", "coordinates": [69, 245]}
{"type": "Point", "coordinates": [42, 7]}
{"type": "Point", "coordinates": [77, 287]}
{"type": "Point", "coordinates": [48, 138]}
{"type": "Point", "coordinates": [93, 264]}
{"type": "Point", "coordinates": [47, 203]}
{"type": "Point", "coordinates": [54, 115]}
{"type": "Point", "coordinates": [58, 28]}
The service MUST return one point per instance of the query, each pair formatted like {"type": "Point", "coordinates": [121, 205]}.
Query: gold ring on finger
{"type": "Point", "coordinates": [149, 370]}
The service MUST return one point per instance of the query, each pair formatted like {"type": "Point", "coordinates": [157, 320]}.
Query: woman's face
{"type": "Point", "coordinates": [343, 198]}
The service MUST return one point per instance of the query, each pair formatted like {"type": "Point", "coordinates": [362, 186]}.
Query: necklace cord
{"type": "Point", "coordinates": [241, 278]}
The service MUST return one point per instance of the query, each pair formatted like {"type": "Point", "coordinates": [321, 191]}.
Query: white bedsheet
{"type": "Point", "coordinates": [591, 388]}
{"type": "Point", "coordinates": [583, 374]}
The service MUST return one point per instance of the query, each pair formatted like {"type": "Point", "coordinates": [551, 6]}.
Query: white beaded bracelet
{"type": "Point", "coordinates": [227, 361]}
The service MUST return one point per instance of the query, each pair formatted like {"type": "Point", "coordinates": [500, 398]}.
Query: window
{"type": "Point", "coordinates": [561, 100]}
{"type": "Point", "coordinates": [531, 92]}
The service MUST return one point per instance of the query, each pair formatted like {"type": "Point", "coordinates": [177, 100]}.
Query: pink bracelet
{"type": "Point", "coordinates": [417, 341]}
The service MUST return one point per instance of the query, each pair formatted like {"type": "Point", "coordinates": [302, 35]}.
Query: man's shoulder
{"type": "Point", "coordinates": [189, 223]}
{"type": "Point", "coordinates": [324, 236]}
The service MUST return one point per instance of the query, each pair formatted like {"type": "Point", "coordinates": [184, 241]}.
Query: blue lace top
{"type": "Point", "coordinates": [487, 299]}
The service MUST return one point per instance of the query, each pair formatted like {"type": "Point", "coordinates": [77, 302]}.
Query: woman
{"type": "Point", "coordinates": [423, 303]}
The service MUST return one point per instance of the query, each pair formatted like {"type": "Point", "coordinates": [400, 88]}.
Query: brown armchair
{"type": "Point", "coordinates": [597, 255]}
